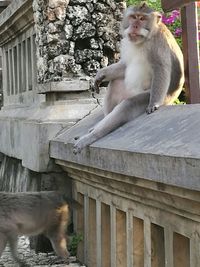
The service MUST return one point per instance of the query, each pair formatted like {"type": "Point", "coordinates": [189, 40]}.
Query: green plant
{"type": "Point", "coordinates": [155, 4]}
{"type": "Point", "coordinates": [75, 239]}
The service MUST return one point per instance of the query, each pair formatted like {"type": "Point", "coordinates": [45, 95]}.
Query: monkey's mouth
{"type": "Point", "coordinates": [135, 36]}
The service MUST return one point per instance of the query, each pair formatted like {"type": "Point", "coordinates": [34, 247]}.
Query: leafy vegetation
{"type": "Point", "coordinates": [73, 246]}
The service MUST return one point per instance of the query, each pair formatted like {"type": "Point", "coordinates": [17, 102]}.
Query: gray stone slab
{"type": "Point", "coordinates": [64, 86]}
{"type": "Point", "coordinates": [163, 146]}
{"type": "Point", "coordinates": [26, 131]}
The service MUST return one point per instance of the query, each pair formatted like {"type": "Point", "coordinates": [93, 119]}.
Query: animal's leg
{"type": "Point", "coordinates": [59, 244]}
{"type": "Point", "coordinates": [115, 94]}
{"type": "Point", "coordinates": [3, 242]}
{"type": "Point", "coordinates": [13, 241]}
{"type": "Point", "coordinates": [127, 110]}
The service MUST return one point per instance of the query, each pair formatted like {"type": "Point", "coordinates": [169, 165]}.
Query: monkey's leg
{"type": "Point", "coordinates": [127, 110]}
{"type": "Point", "coordinates": [13, 240]}
{"type": "Point", "coordinates": [59, 244]}
{"type": "Point", "coordinates": [3, 242]}
{"type": "Point", "coordinates": [116, 92]}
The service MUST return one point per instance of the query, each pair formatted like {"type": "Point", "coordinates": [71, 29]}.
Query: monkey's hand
{"type": "Point", "coordinates": [98, 80]}
{"type": "Point", "coordinates": [151, 108]}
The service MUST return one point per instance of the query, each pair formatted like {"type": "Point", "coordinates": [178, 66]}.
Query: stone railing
{"type": "Point", "coordinates": [140, 191]}
{"type": "Point", "coordinates": [18, 54]}
{"type": "Point", "coordinates": [19, 69]}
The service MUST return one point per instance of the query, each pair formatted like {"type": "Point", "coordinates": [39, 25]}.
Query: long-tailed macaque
{"type": "Point", "coordinates": [32, 213]}
{"type": "Point", "coordinates": [149, 74]}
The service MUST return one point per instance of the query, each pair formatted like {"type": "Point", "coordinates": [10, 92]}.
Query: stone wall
{"type": "Point", "coordinates": [75, 38]}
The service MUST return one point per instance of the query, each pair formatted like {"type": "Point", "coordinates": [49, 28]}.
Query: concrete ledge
{"type": "Point", "coordinates": [64, 86]}
{"type": "Point", "coordinates": [26, 131]}
{"type": "Point", "coordinates": [162, 147]}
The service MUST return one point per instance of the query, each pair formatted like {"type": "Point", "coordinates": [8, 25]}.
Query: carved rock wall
{"type": "Point", "coordinates": [76, 37]}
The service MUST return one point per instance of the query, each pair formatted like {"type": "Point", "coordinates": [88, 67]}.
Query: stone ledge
{"type": "Point", "coordinates": [162, 147]}
{"type": "Point", "coordinates": [71, 85]}
{"type": "Point", "coordinates": [26, 131]}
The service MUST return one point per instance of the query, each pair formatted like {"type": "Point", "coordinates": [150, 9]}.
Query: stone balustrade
{"type": "Point", "coordinates": [139, 187]}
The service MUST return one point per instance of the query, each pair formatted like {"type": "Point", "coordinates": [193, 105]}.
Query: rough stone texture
{"type": "Point", "coordinates": [75, 38]}
{"type": "Point", "coordinates": [163, 146]}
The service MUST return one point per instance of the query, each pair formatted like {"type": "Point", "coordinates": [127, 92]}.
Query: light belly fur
{"type": "Point", "coordinates": [138, 78]}
{"type": "Point", "coordinates": [138, 75]}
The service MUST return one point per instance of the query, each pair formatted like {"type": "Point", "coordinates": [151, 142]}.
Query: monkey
{"type": "Point", "coordinates": [33, 213]}
{"type": "Point", "coordinates": [149, 74]}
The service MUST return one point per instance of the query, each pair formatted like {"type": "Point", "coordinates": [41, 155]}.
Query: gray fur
{"type": "Point", "coordinates": [33, 213]}
{"type": "Point", "coordinates": [161, 81]}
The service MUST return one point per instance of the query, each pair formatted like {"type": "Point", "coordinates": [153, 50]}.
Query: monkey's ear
{"type": "Point", "coordinates": [143, 5]}
{"type": "Point", "coordinates": [158, 16]}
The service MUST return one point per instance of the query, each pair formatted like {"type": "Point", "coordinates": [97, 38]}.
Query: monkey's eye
{"type": "Point", "coordinates": [142, 18]}
{"type": "Point", "coordinates": [133, 17]}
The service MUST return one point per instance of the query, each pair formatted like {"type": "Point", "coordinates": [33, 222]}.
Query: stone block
{"type": "Point", "coordinates": [26, 132]}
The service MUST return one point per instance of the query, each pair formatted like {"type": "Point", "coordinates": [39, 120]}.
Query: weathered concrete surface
{"type": "Point", "coordinates": [70, 85]}
{"type": "Point", "coordinates": [163, 146]}
{"type": "Point", "coordinates": [26, 132]}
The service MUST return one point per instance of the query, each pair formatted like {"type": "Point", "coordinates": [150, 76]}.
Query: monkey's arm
{"type": "Point", "coordinates": [112, 72]}
{"type": "Point", "coordinates": [160, 83]}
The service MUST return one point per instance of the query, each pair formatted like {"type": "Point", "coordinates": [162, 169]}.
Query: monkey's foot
{"type": "Point", "coordinates": [150, 109]}
{"type": "Point", "coordinates": [84, 141]}
{"type": "Point", "coordinates": [78, 146]}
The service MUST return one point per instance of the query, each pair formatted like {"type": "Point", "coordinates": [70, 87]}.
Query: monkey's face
{"type": "Point", "coordinates": [140, 26]}
{"type": "Point", "coordinates": [137, 30]}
